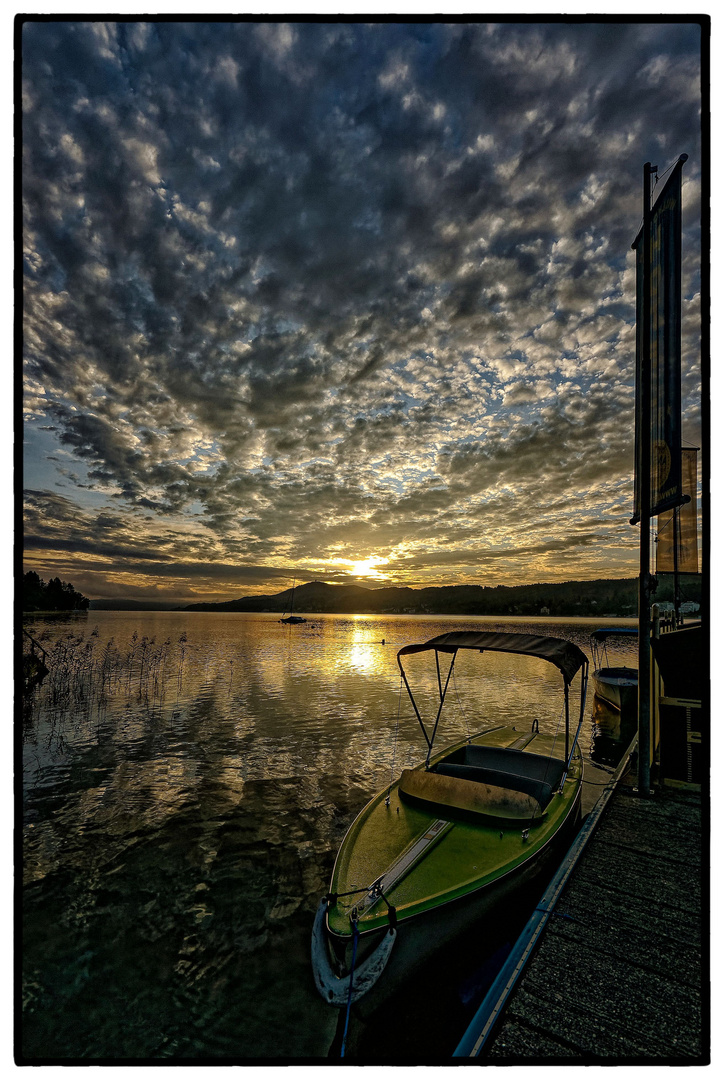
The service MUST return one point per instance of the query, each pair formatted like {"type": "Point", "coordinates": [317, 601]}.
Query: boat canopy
{"type": "Point", "coordinates": [567, 657]}
{"type": "Point", "coordinates": [613, 631]}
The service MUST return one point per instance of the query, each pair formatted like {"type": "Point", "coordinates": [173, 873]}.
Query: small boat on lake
{"type": "Point", "coordinates": [616, 685]}
{"type": "Point", "coordinates": [453, 837]}
{"type": "Point", "coordinates": [291, 619]}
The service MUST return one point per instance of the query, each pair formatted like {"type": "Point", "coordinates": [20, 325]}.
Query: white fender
{"type": "Point", "coordinates": [334, 988]}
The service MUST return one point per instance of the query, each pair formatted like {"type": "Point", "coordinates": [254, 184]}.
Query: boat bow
{"type": "Point", "coordinates": [340, 989]}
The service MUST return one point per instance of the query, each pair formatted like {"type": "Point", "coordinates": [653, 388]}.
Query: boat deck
{"type": "Point", "coordinates": [495, 835]}
{"type": "Point", "coordinates": [618, 973]}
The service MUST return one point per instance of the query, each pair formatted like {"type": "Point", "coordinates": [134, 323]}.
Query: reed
{"type": "Point", "coordinates": [84, 673]}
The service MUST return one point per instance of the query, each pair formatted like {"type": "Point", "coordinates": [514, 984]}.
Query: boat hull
{"type": "Point", "coordinates": [618, 687]}
{"type": "Point", "coordinates": [510, 856]}
{"type": "Point", "coordinates": [470, 918]}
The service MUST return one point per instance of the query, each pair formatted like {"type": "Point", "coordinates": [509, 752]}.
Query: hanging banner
{"type": "Point", "coordinates": [677, 547]}
{"type": "Point", "coordinates": [663, 280]}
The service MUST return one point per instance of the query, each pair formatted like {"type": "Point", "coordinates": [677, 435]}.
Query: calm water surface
{"type": "Point", "coordinates": [187, 781]}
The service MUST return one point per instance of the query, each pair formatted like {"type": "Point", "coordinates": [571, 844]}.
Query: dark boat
{"type": "Point", "coordinates": [616, 685]}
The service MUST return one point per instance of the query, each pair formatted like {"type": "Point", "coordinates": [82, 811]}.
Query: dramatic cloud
{"type": "Point", "coordinates": [298, 297]}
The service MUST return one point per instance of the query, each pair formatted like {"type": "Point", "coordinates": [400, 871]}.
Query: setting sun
{"type": "Point", "coordinates": [368, 567]}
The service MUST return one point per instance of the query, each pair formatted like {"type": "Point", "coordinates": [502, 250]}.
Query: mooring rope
{"type": "Point", "coordinates": [355, 936]}
{"type": "Point", "coordinates": [535, 727]}
{"type": "Point", "coordinates": [460, 707]}
{"type": "Point", "coordinates": [394, 745]}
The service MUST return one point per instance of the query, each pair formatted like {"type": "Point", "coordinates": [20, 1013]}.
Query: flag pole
{"type": "Point", "coordinates": [645, 583]}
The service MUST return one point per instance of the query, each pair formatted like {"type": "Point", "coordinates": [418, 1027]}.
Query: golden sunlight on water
{"type": "Point", "coordinates": [364, 651]}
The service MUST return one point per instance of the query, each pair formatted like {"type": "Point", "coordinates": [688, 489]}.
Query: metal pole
{"type": "Point", "coordinates": [644, 762]}
{"type": "Point", "coordinates": [439, 711]}
{"type": "Point", "coordinates": [414, 703]}
{"type": "Point", "coordinates": [677, 592]}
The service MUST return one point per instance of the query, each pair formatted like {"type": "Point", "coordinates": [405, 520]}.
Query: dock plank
{"type": "Point", "coordinates": [652, 947]}
{"type": "Point", "coordinates": [608, 1010]}
{"type": "Point", "coordinates": [618, 973]}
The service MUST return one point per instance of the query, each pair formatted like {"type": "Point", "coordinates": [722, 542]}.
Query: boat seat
{"type": "Point", "coordinates": [540, 790]}
{"type": "Point", "coordinates": [516, 770]}
{"type": "Point", "coordinates": [503, 784]}
{"type": "Point", "coordinates": [508, 762]}
{"type": "Point", "coordinates": [503, 806]}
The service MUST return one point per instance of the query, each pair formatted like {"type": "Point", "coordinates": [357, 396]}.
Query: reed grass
{"type": "Point", "coordinates": [84, 673]}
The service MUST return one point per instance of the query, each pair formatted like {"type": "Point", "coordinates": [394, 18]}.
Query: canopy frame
{"type": "Point", "coordinates": [599, 643]}
{"type": "Point", "coordinates": [566, 656]}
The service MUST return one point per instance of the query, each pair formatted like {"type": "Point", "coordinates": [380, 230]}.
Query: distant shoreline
{"type": "Point", "coordinates": [603, 598]}
{"type": "Point", "coordinates": [310, 618]}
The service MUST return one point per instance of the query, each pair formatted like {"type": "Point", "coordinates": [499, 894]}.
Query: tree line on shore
{"type": "Point", "coordinates": [54, 595]}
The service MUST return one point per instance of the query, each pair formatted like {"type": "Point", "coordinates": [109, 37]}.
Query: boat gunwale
{"type": "Point", "coordinates": [617, 676]}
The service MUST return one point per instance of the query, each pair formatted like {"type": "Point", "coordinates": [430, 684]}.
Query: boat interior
{"type": "Point", "coordinates": [504, 767]}
{"type": "Point", "coordinates": [500, 783]}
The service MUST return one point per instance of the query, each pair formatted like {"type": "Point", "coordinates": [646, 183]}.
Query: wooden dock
{"type": "Point", "coordinates": [620, 970]}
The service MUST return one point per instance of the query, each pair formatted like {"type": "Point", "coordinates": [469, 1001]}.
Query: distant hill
{"type": "Point", "coordinates": [607, 596]}
{"type": "Point", "coordinates": [616, 597]}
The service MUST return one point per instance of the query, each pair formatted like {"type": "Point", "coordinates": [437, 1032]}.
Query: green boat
{"type": "Point", "coordinates": [453, 837]}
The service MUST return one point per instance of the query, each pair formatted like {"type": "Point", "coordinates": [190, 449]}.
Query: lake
{"type": "Point", "coordinates": [187, 781]}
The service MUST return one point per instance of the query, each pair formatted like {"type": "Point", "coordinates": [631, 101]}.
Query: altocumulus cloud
{"type": "Point", "coordinates": [299, 295]}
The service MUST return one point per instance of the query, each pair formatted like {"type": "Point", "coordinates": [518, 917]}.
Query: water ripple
{"type": "Point", "coordinates": [187, 781]}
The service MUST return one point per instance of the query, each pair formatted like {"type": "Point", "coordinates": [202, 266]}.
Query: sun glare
{"type": "Point", "coordinates": [367, 568]}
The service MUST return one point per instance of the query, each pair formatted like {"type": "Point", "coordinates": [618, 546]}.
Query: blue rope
{"type": "Point", "coordinates": [351, 978]}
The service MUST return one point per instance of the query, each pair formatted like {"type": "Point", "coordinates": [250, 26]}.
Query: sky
{"type": "Point", "coordinates": [341, 301]}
